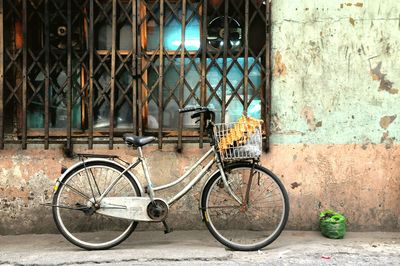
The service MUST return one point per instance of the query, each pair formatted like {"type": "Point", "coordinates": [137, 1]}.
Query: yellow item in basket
{"type": "Point", "coordinates": [244, 125]}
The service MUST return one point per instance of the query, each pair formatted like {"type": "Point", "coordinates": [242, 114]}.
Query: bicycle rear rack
{"type": "Point", "coordinates": [83, 156]}
{"type": "Point", "coordinates": [93, 155]}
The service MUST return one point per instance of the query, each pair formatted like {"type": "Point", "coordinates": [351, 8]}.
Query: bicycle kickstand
{"type": "Point", "coordinates": [167, 228]}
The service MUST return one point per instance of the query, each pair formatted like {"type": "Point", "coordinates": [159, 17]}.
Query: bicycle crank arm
{"type": "Point", "coordinates": [130, 208]}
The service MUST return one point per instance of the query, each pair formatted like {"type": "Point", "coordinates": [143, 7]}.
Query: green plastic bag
{"type": "Point", "coordinates": [332, 224]}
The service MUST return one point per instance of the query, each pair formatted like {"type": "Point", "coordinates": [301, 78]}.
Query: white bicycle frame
{"type": "Point", "coordinates": [150, 188]}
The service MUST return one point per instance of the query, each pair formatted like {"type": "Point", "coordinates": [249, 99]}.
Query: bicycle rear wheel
{"type": "Point", "coordinates": [258, 220]}
{"type": "Point", "coordinates": [74, 209]}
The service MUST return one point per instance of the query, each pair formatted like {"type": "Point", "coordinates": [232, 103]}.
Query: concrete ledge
{"type": "Point", "coordinates": [199, 248]}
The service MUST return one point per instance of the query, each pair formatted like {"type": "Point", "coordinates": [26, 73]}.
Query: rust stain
{"type": "Point", "coordinates": [280, 67]}
{"type": "Point", "coordinates": [295, 185]}
{"type": "Point", "coordinates": [359, 4]}
{"type": "Point", "coordinates": [385, 85]}
{"type": "Point", "coordinates": [18, 35]}
{"type": "Point", "coordinates": [352, 21]}
{"type": "Point", "coordinates": [386, 121]}
{"type": "Point", "coordinates": [349, 4]}
{"type": "Point", "coordinates": [308, 114]}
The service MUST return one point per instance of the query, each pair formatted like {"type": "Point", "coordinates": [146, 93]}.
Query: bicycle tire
{"type": "Point", "coordinates": [245, 227]}
{"type": "Point", "coordinates": [92, 231]}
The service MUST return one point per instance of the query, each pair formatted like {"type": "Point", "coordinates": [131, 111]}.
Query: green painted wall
{"type": "Point", "coordinates": [336, 72]}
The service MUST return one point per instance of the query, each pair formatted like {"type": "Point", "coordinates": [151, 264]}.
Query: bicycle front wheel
{"type": "Point", "coordinates": [74, 205]}
{"type": "Point", "coordinates": [259, 215]}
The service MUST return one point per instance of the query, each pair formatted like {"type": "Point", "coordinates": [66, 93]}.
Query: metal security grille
{"type": "Point", "coordinates": [86, 71]}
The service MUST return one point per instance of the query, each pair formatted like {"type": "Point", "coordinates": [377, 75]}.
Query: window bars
{"type": "Point", "coordinates": [86, 71]}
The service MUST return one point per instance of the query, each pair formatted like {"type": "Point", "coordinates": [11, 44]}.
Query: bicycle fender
{"type": "Point", "coordinates": [78, 164]}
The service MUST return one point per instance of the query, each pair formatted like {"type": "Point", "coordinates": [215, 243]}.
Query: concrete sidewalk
{"type": "Point", "coordinates": [199, 248]}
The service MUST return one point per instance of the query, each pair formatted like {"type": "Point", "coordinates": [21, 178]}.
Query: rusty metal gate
{"type": "Point", "coordinates": [86, 71]}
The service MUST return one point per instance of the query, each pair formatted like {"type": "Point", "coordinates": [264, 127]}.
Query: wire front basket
{"type": "Point", "coordinates": [240, 140]}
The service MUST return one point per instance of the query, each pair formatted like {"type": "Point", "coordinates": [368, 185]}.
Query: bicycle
{"type": "Point", "coordinates": [98, 202]}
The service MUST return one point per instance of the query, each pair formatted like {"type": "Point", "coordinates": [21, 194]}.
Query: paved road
{"type": "Point", "coordinates": [199, 248]}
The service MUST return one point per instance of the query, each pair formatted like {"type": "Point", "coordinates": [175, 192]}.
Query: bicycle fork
{"type": "Point", "coordinates": [246, 200]}
{"type": "Point", "coordinates": [224, 179]}
{"type": "Point", "coordinates": [247, 195]}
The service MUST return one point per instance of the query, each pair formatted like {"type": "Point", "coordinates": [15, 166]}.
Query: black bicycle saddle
{"type": "Point", "coordinates": [137, 141]}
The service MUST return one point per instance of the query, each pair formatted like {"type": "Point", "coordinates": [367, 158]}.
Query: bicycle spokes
{"type": "Point", "coordinates": [77, 208]}
{"type": "Point", "coordinates": [260, 217]}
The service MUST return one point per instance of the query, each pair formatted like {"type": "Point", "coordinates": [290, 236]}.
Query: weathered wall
{"type": "Point", "coordinates": [336, 75]}
{"type": "Point", "coordinates": [363, 182]}
{"type": "Point", "coordinates": [27, 178]}
{"type": "Point", "coordinates": [335, 105]}
{"type": "Point", "coordinates": [335, 95]}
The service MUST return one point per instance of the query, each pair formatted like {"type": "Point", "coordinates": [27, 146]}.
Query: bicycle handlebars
{"type": "Point", "coordinates": [208, 114]}
{"type": "Point", "coordinates": [190, 109]}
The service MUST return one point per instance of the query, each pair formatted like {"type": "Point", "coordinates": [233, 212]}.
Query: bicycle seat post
{"type": "Point", "coordinates": [140, 152]}
{"type": "Point", "coordinates": [149, 187]}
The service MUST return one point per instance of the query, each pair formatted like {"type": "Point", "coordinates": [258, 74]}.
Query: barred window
{"type": "Point", "coordinates": [86, 71]}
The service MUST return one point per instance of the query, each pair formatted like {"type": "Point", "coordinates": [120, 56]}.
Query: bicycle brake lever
{"type": "Point", "coordinates": [197, 121]}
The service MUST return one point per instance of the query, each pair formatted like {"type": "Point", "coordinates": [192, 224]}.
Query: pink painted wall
{"type": "Point", "coordinates": [360, 181]}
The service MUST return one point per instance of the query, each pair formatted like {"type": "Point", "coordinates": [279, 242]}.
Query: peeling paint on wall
{"type": "Point", "coordinates": [359, 4]}
{"type": "Point", "coordinates": [386, 121]}
{"type": "Point", "coordinates": [385, 85]}
{"type": "Point", "coordinates": [308, 115]}
{"type": "Point", "coordinates": [341, 96]}
{"type": "Point", "coordinates": [279, 67]}
{"type": "Point", "coordinates": [352, 21]}
{"type": "Point", "coordinates": [347, 74]}
{"type": "Point", "coordinates": [276, 124]}
{"type": "Point", "coordinates": [295, 185]}
{"type": "Point", "coordinates": [387, 140]}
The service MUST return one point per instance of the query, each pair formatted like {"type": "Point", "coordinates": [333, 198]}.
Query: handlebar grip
{"type": "Point", "coordinates": [208, 114]}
